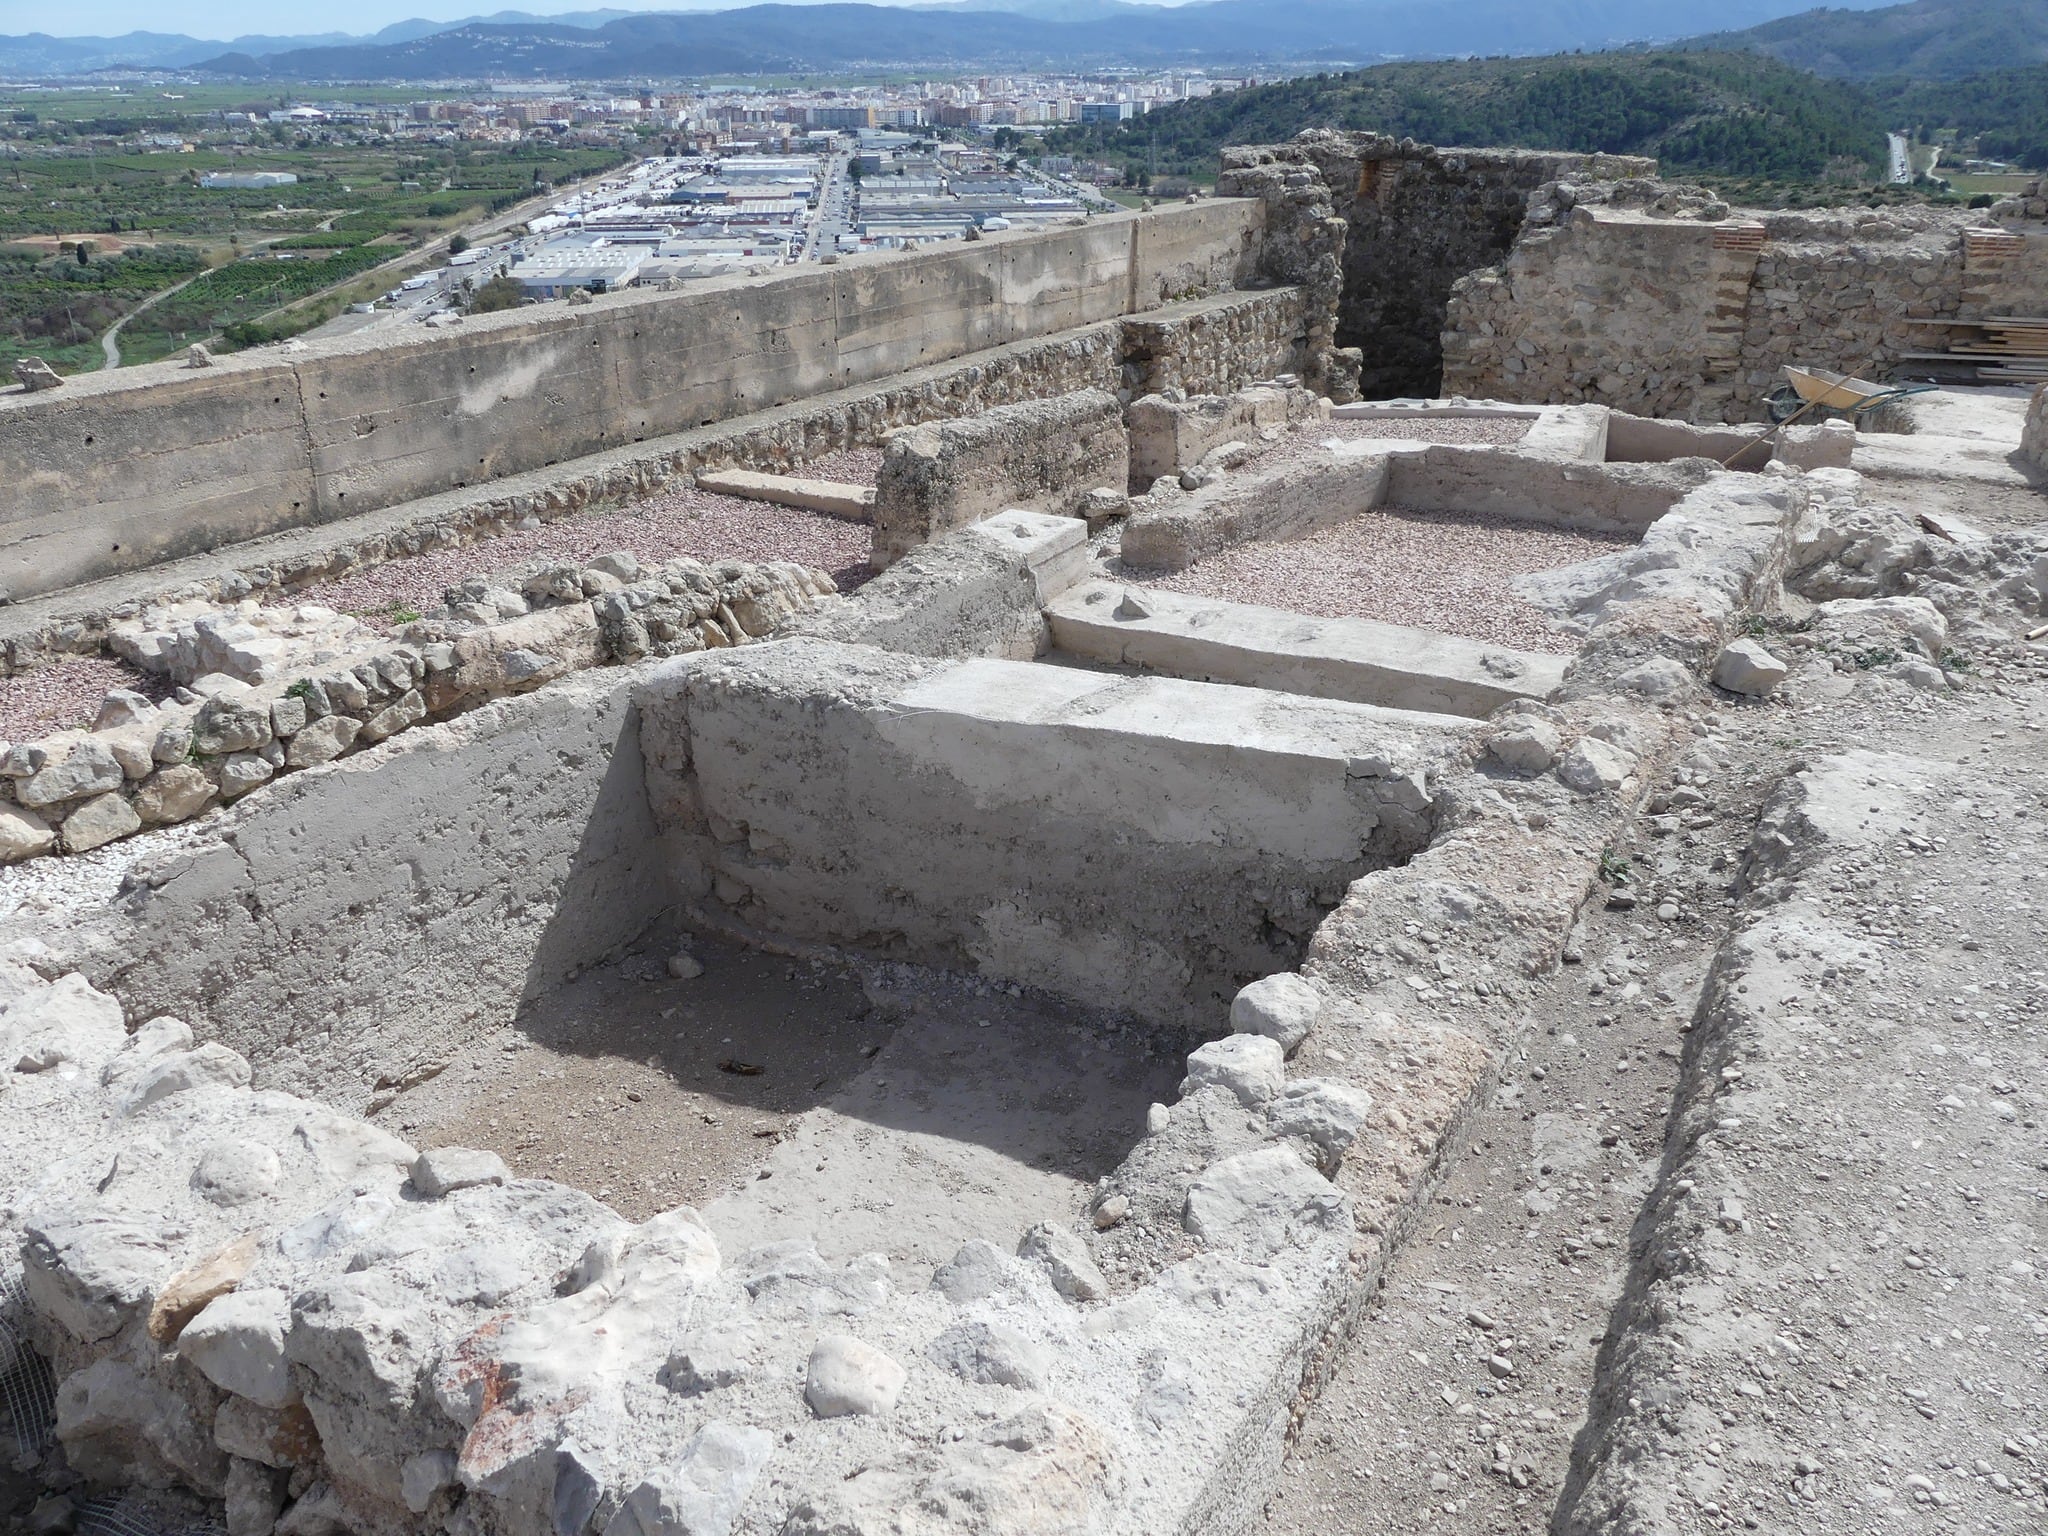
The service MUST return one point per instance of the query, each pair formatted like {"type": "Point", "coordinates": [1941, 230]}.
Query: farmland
{"type": "Point", "coordinates": [102, 206]}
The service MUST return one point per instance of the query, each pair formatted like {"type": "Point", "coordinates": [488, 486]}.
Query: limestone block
{"type": "Point", "coordinates": [1261, 1203]}
{"type": "Point", "coordinates": [92, 1273]}
{"type": "Point", "coordinates": [1250, 1066]}
{"type": "Point", "coordinates": [709, 1359]}
{"type": "Point", "coordinates": [242, 772]}
{"type": "Point", "coordinates": [254, 1496]}
{"type": "Point", "coordinates": [1660, 678]}
{"type": "Point", "coordinates": [443, 1170]}
{"type": "Point", "coordinates": [99, 821]}
{"type": "Point", "coordinates": [173, 794]}
{"type": "Point", "coordinates": [701, 1494]}
{"type": "Point", "coordinates": [1327, 1114]}
{"type": "Point", "coordinates": [187, 1293]}
{"type": "Point", "coordinates": [407, 710]}
{"type": "Point", "coordinates": [209, 1066]}
{"type": "Point", "coordinates": [228, 724]}
{"type": "Point", "coordinates": [120, 1427]}
{"type": "Point", "coordinates": [1527, 746]}
{"type": "Point", "coordinates": [846, 1377]}
{"type": "Point", "coordinates": [23, 834]}
{"type": "Point", "coordinates": [322, 741]}
{"type": "Point", "coordinates": [1065, 1258]}
{"type": "Point", "coordinates": [1902, 624]}
{"type": "Point", "coordinates": [237, 1343]}
{"type": "Point", "coordinates": [232, 1172]}
{"type": "Point", "coordinates": [977, 1270]}
{"type": "Point", "coordinates": [854, 502]}
{"type": "Point", "coordinates": [1595, 767]}
{"type": "Point", "coordinates": [71, 771]}
{"type": "Point", "coordinates": [1745, 666]}
{"type": "Point", "coordinates": [990, 1354]}
{"type": "Point", "coordinates": [68, 1020]}
{"type": "Point", "coordinates": [1282, 1007]}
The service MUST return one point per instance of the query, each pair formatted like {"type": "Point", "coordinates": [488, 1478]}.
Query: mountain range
{"type": "Point", "coordinates": [702, 41]}
{"type": "Point", "coordinates": [1924, 40]}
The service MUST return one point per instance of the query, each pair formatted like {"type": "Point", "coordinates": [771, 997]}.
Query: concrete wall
{"type": "Point", "coordinates": [122, 470]}
{"type": "Point", "coordinates": [358, 921]}
{"type": "Point", "coordinates": [1133, 843]}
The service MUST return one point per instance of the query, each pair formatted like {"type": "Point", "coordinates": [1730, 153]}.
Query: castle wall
{"type": "Point", "coordinates": [119, 471]}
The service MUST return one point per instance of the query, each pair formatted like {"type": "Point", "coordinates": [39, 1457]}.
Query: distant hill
{"type": "Point", "coordinates": [1728, 114]}
{"type": "Point", "coordinates": [1926, 40]}
{"type": "Point", "coordinates": [835, 37]}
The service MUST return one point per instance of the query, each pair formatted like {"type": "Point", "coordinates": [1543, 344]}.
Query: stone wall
{"type": "Point", "coordinates": [1404, 222]}
{"type": "Point", "coordinates": [1201, 344]}
{"type": "Point", "coordinates": [116, 471]}
{"type": "Point", "coordinates": [1140, 844]}
{"type": "Point", "coordinates": [2034, 435]}
{"type": "Point", "coordinates": [1042, 455]}
{"type": "Point", "coordinates": [1662, 301]}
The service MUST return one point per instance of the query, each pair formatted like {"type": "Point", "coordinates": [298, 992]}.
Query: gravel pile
{"type": "Point", "coordinates": [68, 693]}
{"type": "Point", "coordinates": [850, 466]}
{"type": "Point", "coordinates": [1430, 429]}
{"type": "Point", "coordinates": [676, 524]}
{"type": "Point", "coordinates": [1446, 571]}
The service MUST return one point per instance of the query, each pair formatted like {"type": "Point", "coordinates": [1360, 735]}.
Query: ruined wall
{"type": "Point", "coordinates": [120, 470]}
{"type": "Point", "coordinates": [1134, 843]}
{"type": "Point", "coordinates": [1412, 220]}
{"type": "Point", "coordinates": [1662, 301]}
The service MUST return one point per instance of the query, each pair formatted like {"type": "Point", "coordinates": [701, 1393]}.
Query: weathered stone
{"type": "Point", "coordinates": [1595, 767]}
{"type": "Point", "coordinates": [991, 1355]}
{"type": "Point", "coordinates": [23, 834]}
{"type": "Point", "coordinates": [99, 821]}
{"type": "Point", "coordinates": [701, 1494]}
{"type": "Point", "coordinates": [123, 706]}
{"type": "Point", "coordinates": [1327, 1114]}
{"type": "Point", "coordinates": [228, 724]}
{"type": "Point", "coordinates": [254, 1495]}
{"type": "Point", "coordinates": [846, 1377]}
{"type": "Point", "coordinates": [85, 768]}
{"type": "Point", "coordinates": [1250, 1066]}
{"type": "Point", "coordinates": [1745, 666]}
{"type": "Point", "coordinates": [322, 741]}
{"type": "Point", "coordinates": [230, 1173]}
{"type": "Point", "coordinates": [443, 1170]}
{"type": "Point", "coordinates": [1261, 1203]}
{"type": "Point", "coordinates": [237, 1343]}
{"type": "Point", "coordinates": [1282, 1007]}
{"type": "Point", "coordinates": [187, 1293]}
{"type": "Point", "coordinates": [243, 772]}
{"type": "Point", "coordinates": [173, 794]}
{"type": "Point", "coordinates": [1065, 1258]}
{"type": "Point", "coordinates": [211, 1065]}
{"type": "Point", "coordinates": [1527, 746]}
{"type": "Point", "coordinates": [407, 710]}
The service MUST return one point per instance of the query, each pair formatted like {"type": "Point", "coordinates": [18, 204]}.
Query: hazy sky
{"type": "Point", "coordinates": [230, 18]}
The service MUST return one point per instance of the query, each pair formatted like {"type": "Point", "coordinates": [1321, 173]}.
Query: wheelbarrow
{"type": "Point", "coordinates": [1817, 391]}
{"type": "Point", "coordinates": [1809, 390]}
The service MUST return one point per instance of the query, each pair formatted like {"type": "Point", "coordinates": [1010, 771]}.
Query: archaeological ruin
{"type": "Point", "coordinates": [1285, 864]}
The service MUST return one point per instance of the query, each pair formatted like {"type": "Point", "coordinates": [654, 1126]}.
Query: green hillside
{"type": "Point", "coordinates": [1730, 115]}
{"type": "Point", "coordinates": [1926, 40]}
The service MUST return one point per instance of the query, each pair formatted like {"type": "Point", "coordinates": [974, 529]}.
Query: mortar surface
{"type": "Point", "coordinates": [1449, 572]}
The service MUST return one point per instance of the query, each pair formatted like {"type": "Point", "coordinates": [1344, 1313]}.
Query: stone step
{"type": "Point", "coordinates": [855, 502]}
{"type": "Point", "coordinates": [1356, 660]}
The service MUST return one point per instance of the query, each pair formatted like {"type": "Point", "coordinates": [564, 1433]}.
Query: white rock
{"type": "Point", "coordinates": [990, 1354]}
{"type": "Point", "coordinates": [231, 1173]}
{"type": "Point", "coordinates": [1281, 1007]}
{"type": "Point", "coordinates": [710, 1359]}
{"type": "Point", "coordinates": [1327, 1114]}
{"type": "Point", "coordinates": [1060, 1252]}
{"type": "Point", "coordinates": [1527, 747]}
{"type": "Point", "coordinates": [209, 1066]}
{"type": "Point", "coordinates": [1594, 766]}
{"type": "Point", "coordinates": [1924, 675]}
{"type": "Point", "coordinates": [101, 820]}
{"type": "Point", "coordinates": [68, 1020]}
{"type": "Point", "coordinates": [322, 741]}
{"type": "Point", "coordinates": [1659, 678]}
{"type": "Point", "coordinates": [237, 1343]}
{"type": "Point", "coordinates": [442, 1170]}
{"type": "Point", "coordinates": [121, 707]}
{"type": "Point", "coordinates": [1745, 666]}
{"type": "Point", "coordinates": [425, 1475]}
{"type": "Point", "coordinates": [977, 1270]}
{"type": "Point", "coordinates": [86, 768]}
{"type": "Point", "coordinates": [702, 1493]}
{"type": "Point", "coordinates": [1865, 623]}
{"type": "Point", "coordinates": [23, 834]}
{"type": "Point", "coordinates": [1250, 1066]}
{"type": "Point", "coordinates": [848, 1377]}
{"type": "Point", "coordinates": [1259, 1203]}
{"type": "Point", "coordinates": [254, 1496]}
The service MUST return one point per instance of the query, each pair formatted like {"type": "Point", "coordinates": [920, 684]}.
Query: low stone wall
{"type": "Point", "coordinates": [1662, 301]}
{"type": "Point", "coordinates": [1170, 529]}
{"type": "Point", "coordinates": [1041, 455]}
{"type": "Point", "coordinates": [959, 812]}
{"type": "Point", "coordinates": [153, 766]}
{"type": "Point", "coordinates": [1171, 431]}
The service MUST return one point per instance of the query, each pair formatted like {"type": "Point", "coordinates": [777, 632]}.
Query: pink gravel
{"type": "Point", "coordinates": [850, 466]}
{"type": "Point", "coordinates": [68, 693]}
{"type": "Point", "coordinates": [1429, 429]}
{"type": "Point", "coordinates": [674, 525]}
{"type": "Point", "coordinates": [1446, 571]}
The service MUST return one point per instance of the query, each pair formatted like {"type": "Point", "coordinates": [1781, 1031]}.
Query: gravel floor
{"type": "Point", "coordinates": [1445, 571]}
{"type": "Point", "coordinates": [852, 466]}
{"type": "Point", "coordinates": [676, 524]}
{"type": "Point", "coordinates": [68, 693]}
{"type": "Point", "coordinates": [1430, 429]}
